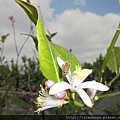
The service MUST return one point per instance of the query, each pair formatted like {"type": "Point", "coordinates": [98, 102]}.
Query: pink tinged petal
{"type": "Point", "coordinates": [91, 93]}
{"type": "Point", "coordinates": [85, 98]}
{"type": "Point", "coordinates": [49, 83]}
{"type": "Point", "coordinates": [61, 95]}
{"type": "Point", "coordinates": [60, 62]}
{"type": "Point", "coordinates": [94, 85]}
{"type": "Point", "coordinates": [59, 87]}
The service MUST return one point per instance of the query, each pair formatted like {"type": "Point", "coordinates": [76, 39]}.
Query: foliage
{"type": "Point", "coordinates": [47, 51]}
{"type": "Point", "coordinates": [114, 61]}
{"type": "Point", "coordinates": [2, 42]}
{"type": "Point", "coordinates": [29, 77]}
{"type": "Point", "coordinates": [114, 109]}
{"type": "Point", "coordinates": [19, 85]}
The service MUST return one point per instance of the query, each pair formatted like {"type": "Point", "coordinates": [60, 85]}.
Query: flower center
{"type": "Point", "coordinates": [79, 73]}
{"type": "Point", "coordinates": [40, 102]}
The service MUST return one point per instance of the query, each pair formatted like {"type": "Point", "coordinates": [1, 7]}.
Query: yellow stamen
{"type": "Point", "coordinates": [38, 110]}
{"type": "Point", "coordinates": [39, 100]}
{"type": "Point", "coordinates": [79, 73]}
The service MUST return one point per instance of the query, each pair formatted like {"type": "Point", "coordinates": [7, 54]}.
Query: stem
{"type": "Point", "coordinates": [110, 83]}
{"type": "Point", "coordinates": [109, 52]}
{"type": "Point", "coordinates": [1, 54]}
{"type": "Point", "coordinates": [30, 32]}
{"type": "Point", "coordinates": [109, 95]}
{"type": "Point", "coordinates": [113, 80]}
{"type": "Point", "coordinates": [14, 36]}
{"type": "Point", "coordinates": [78, 104]}
{"type": "Point", "coordinates": [21, 93]}
{"type": "Point", "coordinates": [67, 98]}
{"type": "Point", "coordinates": [21, 49]}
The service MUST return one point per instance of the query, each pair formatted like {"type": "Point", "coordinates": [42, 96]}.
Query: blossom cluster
{"type": "Point", "coordinates": [54, 94]}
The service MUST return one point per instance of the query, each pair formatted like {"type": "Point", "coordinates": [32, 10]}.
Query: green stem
{"type": "Point", "coordinates": [67, 98]}
{"type": "Point", "coordinates": [109, 95]}
{"type": "Point", "coordinates": [110, 83]}
{"type": "Point", "coordinates": [109, 53]}
{"type": "Point", "coordinates": [78, 104]}
{"type": "Point", "coordinates": [113, 80]}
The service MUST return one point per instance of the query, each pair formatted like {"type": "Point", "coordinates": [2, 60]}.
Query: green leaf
{"type": "Point", "coordinates": [50, 36]}
{"type": "Point", "coordinates": [3, 38]}
{"type": "Point", "coordinates": [114, 60]}
{"type": "Point", "coordinates": [29, 9]}
{"type": "Point", "coordinates": [47, 51]}
{"type": "Point", "coordinates": [119, 1]}
{"type": "Point", "coordinates": [46, 56]}
{"type": "Point", "coordinates": [61, 52]}
{"type": "Point", "coordinates": [9, 81]}
{"type": "Point", "coordinates": [34, 38]}
{"type": "Point", "coordinates": [65, 55]}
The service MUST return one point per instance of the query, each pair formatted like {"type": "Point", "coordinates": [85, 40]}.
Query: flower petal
{"type": "Point", "coordinates": [85, 73]}
{"type": "Point", "coordinates": [59, 87]}
{"type": "Point", "coordinates": [60, 62]}
{"type": "Point", "coordinates": [94, 85]}
{"type": "Point", "coordinates": [61, 95]}
{"type": "Point", "coordinates": [68, 76]}
{"type": "Point", "coordinates": [47, 107]}
{"type": "Point", "coordinates": [49, 83]}
{"type": "Point", "coordinates": [84, 97]}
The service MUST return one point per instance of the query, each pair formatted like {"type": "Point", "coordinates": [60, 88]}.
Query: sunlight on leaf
{"type": "Point", "coordinates": [46, 56]}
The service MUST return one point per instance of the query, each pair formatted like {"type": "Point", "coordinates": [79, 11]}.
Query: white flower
{"type": "Point", "coordinates": [76, 83]}
{"type": "Point", "coordinates": [45, 101]}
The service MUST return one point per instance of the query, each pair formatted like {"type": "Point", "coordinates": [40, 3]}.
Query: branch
{"type": "Point", "coordinates": [23, 93]}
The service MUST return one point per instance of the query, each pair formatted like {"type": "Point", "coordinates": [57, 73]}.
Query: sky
{"type": "Point", "coordinates": [85, 26]}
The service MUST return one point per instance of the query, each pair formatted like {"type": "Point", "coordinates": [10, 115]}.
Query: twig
{"type": "Point", "coordinates": [22, 93]}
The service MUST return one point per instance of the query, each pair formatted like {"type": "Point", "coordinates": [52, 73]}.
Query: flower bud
{"type": "Point", "coordinates": [91, 93]}
{"type": "Point", "coordinates": [61, 95]}
{"type": "Point", "coordinates": [49, 83]}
